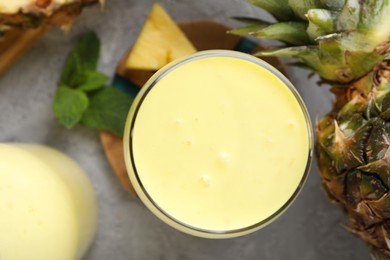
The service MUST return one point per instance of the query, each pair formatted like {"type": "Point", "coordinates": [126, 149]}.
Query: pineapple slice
{"type": "Point", "coordinates": [160, 42]}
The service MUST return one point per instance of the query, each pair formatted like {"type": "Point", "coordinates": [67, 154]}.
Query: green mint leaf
{"type": "Point", "coordinates": [82, 97]}
{"type": "Point", "coordinates": [69, 105]}
{"type": "Point", "coordinates": [93, 80]}
{"type": "Point", "coordinates": [71, 70]}
{"type": "Point", "coordinates": [83, 57]}
{"type": "Point", "coordinates": [108, 110]}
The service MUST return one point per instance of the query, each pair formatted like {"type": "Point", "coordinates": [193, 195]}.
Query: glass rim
{"type": "Point", "coordinates": [131, 165]}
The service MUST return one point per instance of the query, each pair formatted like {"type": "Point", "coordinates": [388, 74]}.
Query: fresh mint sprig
{"type": "Point", "coordinates": [82, 96]}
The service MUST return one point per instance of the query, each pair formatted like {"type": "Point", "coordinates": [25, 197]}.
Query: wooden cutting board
{"type": "Point", "coordinates": [205, 35]}
{"type": "Point", "coordinates": [15, 43]}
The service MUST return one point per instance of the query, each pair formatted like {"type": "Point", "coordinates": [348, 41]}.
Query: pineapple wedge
{"type": "Point", "coordinates": [160, 42]}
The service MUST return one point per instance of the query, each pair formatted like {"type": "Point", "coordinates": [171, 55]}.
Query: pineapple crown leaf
{"type": "Point", "coordinates": [289, 32]}
{"type": "Point", "coordinates": [278, 8]}
{"type": "Point", "coordinates": [301, 7]}
{"type": "Point", "coordinates": [253, 26]}
{"type": "Point", "coordinates": [291, 52]}
{"type": "Point", "coordinates": [372, 14]}
{"type": "Point", "coordinates": [349, 16]}
{"type": "Point", "coordinates": [334, 5]}
{"type": "Point", "coordinates": [310, 56]}
{"type": "Point", "coordinates": [348, 37]}
{"type": "Point", "coordinates": [321, 22]}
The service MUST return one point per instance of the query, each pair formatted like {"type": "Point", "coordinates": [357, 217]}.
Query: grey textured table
{"type": "Point", "coordinates": [310, 229]}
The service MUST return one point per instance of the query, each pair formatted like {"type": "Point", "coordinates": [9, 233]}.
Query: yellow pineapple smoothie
{"type": "Point", "coordinates": [218, 145]}
{"type": "Point", "coordinates": [47, 205]}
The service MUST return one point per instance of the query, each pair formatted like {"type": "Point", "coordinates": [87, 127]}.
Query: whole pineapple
{"type": "Point", "coordinates": [347, 42]}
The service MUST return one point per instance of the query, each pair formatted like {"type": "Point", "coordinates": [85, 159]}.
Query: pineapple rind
{"type": "Point", "coordinates": [366, 200]}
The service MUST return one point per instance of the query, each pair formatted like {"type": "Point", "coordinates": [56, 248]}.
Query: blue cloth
{"type": "Point", "coordinates": [125, 85]}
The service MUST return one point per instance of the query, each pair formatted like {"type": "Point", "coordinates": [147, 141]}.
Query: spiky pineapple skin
{"type": "Point", "coordinates": [353, 152]}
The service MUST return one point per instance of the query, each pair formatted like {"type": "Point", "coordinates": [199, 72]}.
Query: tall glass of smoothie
{"type": "Point", "coordinates": [218, 144]}
{"type": "Point", "coordinates": [48, 207]}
